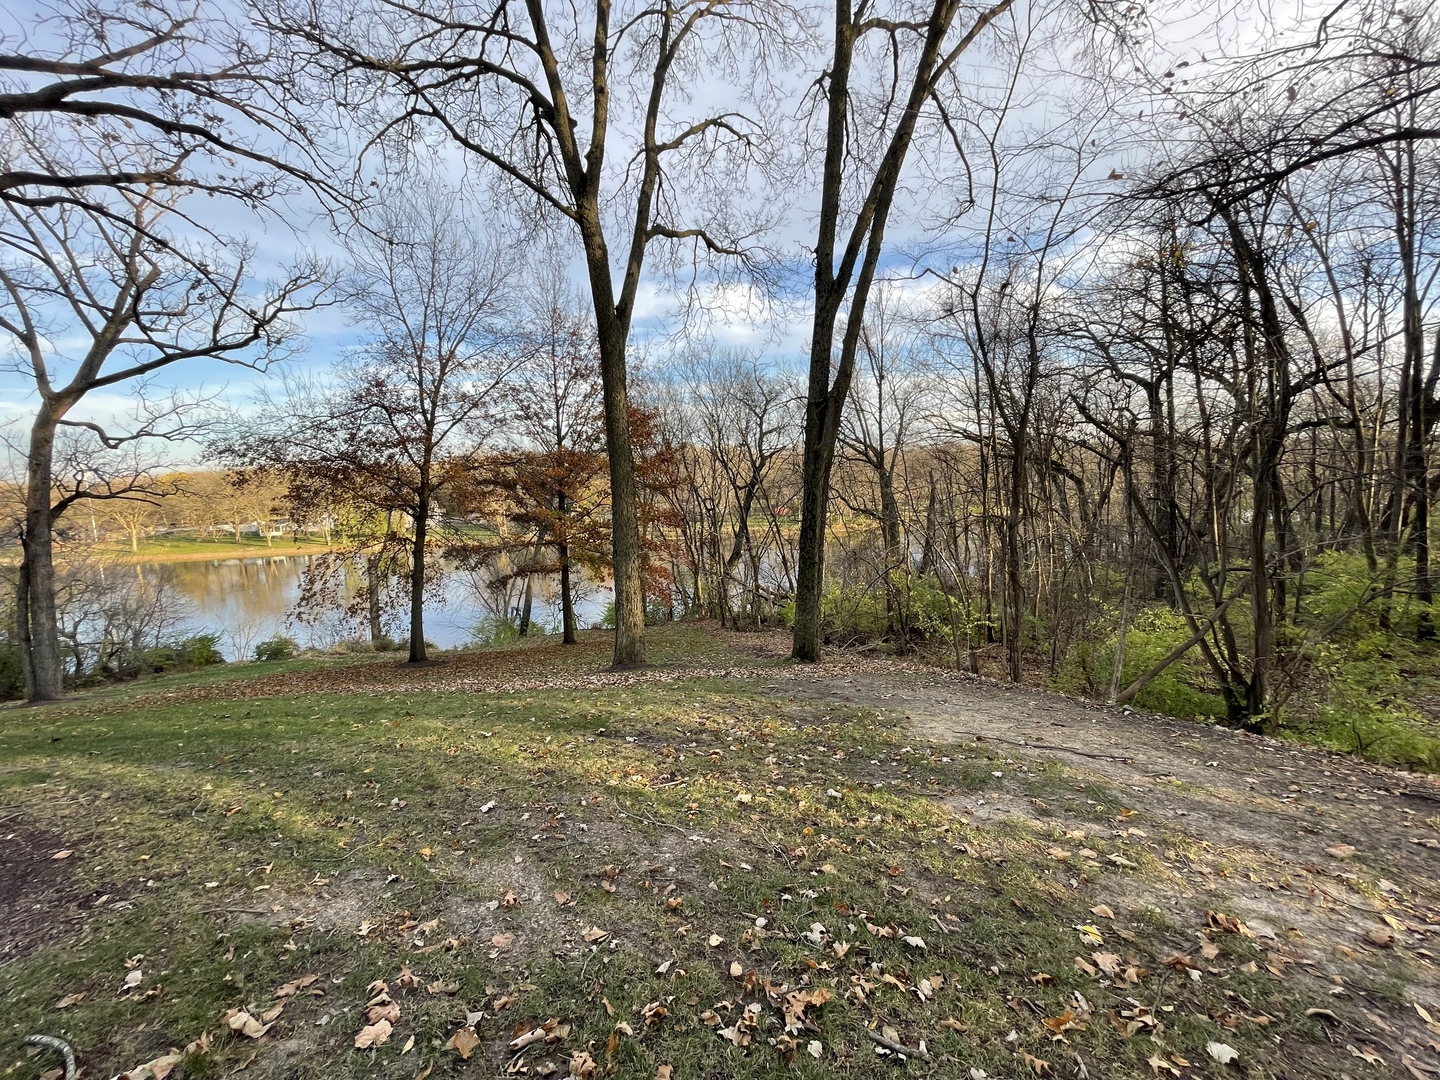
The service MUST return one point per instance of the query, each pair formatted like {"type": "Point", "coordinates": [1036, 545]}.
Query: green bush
{"type": "Point", "coordinates": [182, 654]}
{"type": "Point", "coordinates": [279, 647]}
{"type": "Point", "coordinates": [1153, 633]}
{"type": "Point", "coordinates": [12, 674]}
{"type": "Point", "coordinates": [497, 630]}
{"type": "Point", "coordinates": [1365, 709]}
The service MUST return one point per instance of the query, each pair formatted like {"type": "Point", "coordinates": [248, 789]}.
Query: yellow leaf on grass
{"type": "Point", "coordinates": [1039, 1066]}
{"type": "Point", "coordinates": [242, 1023]}
{"type": "Point", "coordinates": [463, 1042]}
{"type": "Point", "coordinates": [374, 1034]}
{"type": "Point", "coordinates": [1158, 1065]}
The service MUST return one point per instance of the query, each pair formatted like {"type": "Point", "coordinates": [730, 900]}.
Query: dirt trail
{"type": "Point", "coordinates": [1227, 788]}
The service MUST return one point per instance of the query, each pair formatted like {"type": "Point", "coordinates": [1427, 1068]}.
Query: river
{"type": "Point", "coordinates": [248, 601]}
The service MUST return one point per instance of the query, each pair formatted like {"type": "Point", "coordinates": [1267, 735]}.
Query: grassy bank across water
{"type": "Point", "coordinates": [669, 874]}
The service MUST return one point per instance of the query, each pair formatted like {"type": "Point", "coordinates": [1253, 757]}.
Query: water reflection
{"type": "Point", "coordinates": [250, 600]}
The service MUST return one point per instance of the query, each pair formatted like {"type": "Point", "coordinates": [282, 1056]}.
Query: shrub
{"type": "Point", "coordinates": [278, 647]}
{"type": "Point", "coordinates": [1153, 633]}
{"type": "Point", "coordinates": [495, 630]}
{"type": "Point", "coordinates": [1365, 709]}
{"type": "Point", "coordinates": [181, 654]}
{"type": "Point", "coordinates": [12, 674]}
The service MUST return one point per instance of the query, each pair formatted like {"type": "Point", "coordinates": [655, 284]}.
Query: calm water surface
{"type": "Point", "coordinates": [251, 600]}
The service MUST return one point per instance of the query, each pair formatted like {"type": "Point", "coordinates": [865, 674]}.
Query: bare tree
{"type": "Point", "coordinates": [102, 101]}
{"type": "Point", "coordinates": [586, 114]}
{"type": "Point", "coordinates": [136, 307]}
{"type": "Point", "coordinates": [403, 421]}
{"type": "Point", "coordinates": [859, 181]}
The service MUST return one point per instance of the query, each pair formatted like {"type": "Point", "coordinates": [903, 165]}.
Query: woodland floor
{"type": "Point", "coordinates": [514, 862]}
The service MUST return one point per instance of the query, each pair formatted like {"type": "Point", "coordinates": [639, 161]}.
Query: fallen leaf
{"type": "Point", "coordinates": [954, 1025]}
{"type": "Point", "coordinates": [797, 1001]}
{"type": "Point", "coordinates": [1039, 1066]}
{"type": "Point", "coordinates": [1108, 962]}
{"type": "Point", "coordinates": [503, 941]}
{"type": "Point", "coordinates": [1102, 911]}
{"type": "Point", "coordinates": [1157, 1063]}
{"type": "Point", "coordinates": [1066, 1021]}
{"type": "Point", "coordinates": [293, 987]}
{"type": "Point", "coordinates": [373, 1034]}
{"type": "Point", "coordinates": [1366, 1055]}
{"type": "Point", "coordinates": [63, 854]}
{"type": "Point", "coordinates": [70, 999]}
{"type": "Point", "coordinates": [595, 934]}
{"type": "Point", "coordinates": [463, 1042]}
{"type": "Point", "coordinates": [582, 1065]}
{"type": "Point", "coordinates": [1340, 851]}
{"type": "Point", "coordinates": [242, 1023]}
{"type": "Point", "coordinates": [1222, 1052]}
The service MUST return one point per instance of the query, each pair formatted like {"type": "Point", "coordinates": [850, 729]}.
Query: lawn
{"type": "Point", "coordinates": [693, 878]}
{"type": "Point", "coordinates": [190, 547]}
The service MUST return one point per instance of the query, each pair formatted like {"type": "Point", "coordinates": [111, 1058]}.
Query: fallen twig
{"type": "Point", "coordinates": [977, 737]}
{"type": "Point", "coordinates": [665, 825]}
{"type": "Point", "coordinates": [895, 1047]}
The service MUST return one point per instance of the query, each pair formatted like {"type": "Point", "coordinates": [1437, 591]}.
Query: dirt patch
{"type": "Point", "coordinates": [40, 895]}
{"type": "Point", "coordinates": [1330, 860]}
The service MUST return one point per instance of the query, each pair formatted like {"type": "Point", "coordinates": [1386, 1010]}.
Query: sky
{"type": "Point", "coordinates": [731, 313]}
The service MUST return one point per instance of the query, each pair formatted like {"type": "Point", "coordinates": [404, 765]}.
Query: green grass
{"type": "Point", "coordinates": [160, 548]}
{"type": "Point", "coordinates": [244, 842]}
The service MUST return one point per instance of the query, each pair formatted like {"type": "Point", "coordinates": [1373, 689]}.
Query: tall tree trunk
{"type": "Point", "coordinates": [35, 598]}
{"type": "Point", "coordinates": [819, 454]}
{"type": "Point", "coordinates": [628, 556]}
{"type": "Point", "coordinates": [417, 581]}
{"type": "Point", "coordinates": [567, 597]}
{"type": "Point", "coordinates": [527, 605]}
{"type": "Point", "coordinates": [853, 274]}
{"type": "Point", "coordinates": [372, 595]}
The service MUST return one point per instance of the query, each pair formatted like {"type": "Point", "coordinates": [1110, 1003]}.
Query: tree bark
{"type": "Point", "coordinates": [628, 557]}
{"type": "Point", "coordinates": [417, 582]}
{"type": "Point", "coordinates": [35, 598]}
{"type": "Point", "coordinates": [372, 596]}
